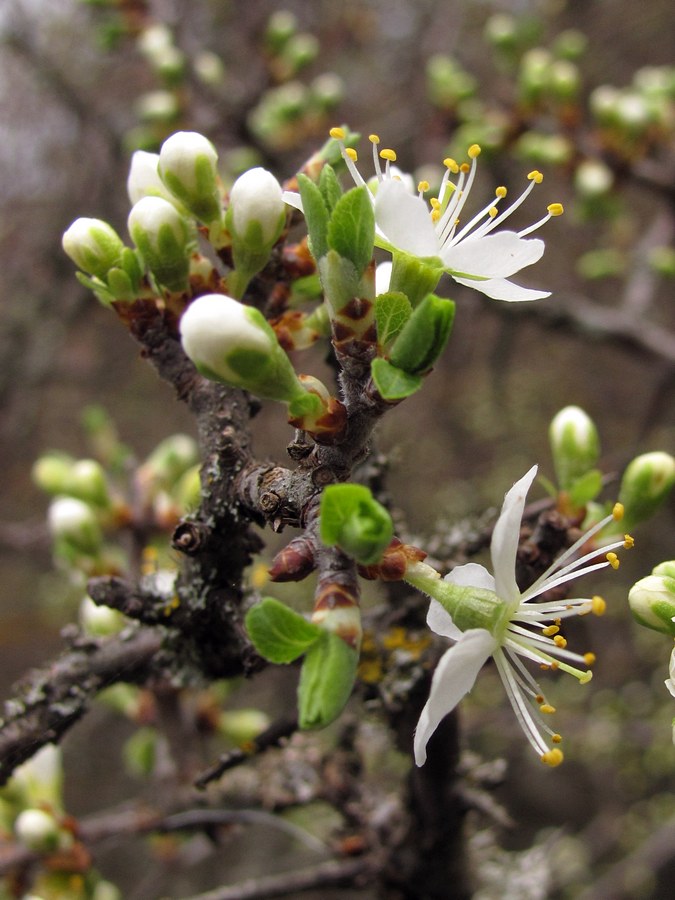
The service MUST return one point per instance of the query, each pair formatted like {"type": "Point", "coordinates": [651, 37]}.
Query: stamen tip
{"type": "Point", "coordinates": [536, 176]}
{"type": "Point", "coordinates": [474, 151]}
{"type": "Point", "coordinates": [351, 153]}
{"type": "Point", "coordinates": [374, 138]}
{"type": "Point", "coordinates": [628, 542]}
{"type": "Point", "coordinates": [337, 133]}
{"type": "Point", "coordinates": [389, 155]}
{"type": "Point", "coordinates": [613, 560]}
{"type": "Point", "coordinates": [555, 209]}
{"type": "Point", "coordinates": [617, 512]}
{"type": "Point", "coordinates": [553, 757]}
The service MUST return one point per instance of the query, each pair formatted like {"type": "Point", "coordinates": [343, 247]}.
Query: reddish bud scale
{"type": "Point", "coordinates": [327, 428]}
{"type": "Point", "coordinates": [297, 260]}
{"type": "Point", "coordinates": [292, 332]}
{"type": "Point", "coordinates": [395, 560]}
{"type": "Point", "coordinates": [336, 609]}
{"type": "Point", "coordinates": [294, 562]}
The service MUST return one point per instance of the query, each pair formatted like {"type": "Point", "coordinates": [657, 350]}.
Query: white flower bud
{"type": "Point", "coordinates": [72, 521]}
{"type": "Point", "coordinates": [233, 343]}
{"type": "Point", "coordinates": [646, 483]}
{"type": "Point", "coordinates": [188, 167]}
{"type": "Point", "coordinates": [144, 180]}
{"type": "Point", "coordinates": [99, 621]}
{"type": "Point", "coordinates": [575, 445]}
{"type": "Point", "coordinates": [40, 778]}
{"type": "Point", "coordinates": [93, 245]}
{"type": "Point", "coordinates": [37, 830]}
{"type": "Point", "coordinates": [163, 238]}
{"type": "Point", "coordinates": [652, 602]}
{"type": "Point", "coordinates": [256, 199]}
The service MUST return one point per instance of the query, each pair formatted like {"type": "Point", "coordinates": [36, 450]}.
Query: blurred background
{"type": "Point", "coordinates": [583, 90]}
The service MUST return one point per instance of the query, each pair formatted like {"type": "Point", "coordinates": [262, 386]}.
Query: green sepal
{"type": "Point", "coordinates": [204, 202]}
{"type": "Point", "coordinates": [586, 488]}
{"type": "Point", "coordinates": [330, 188]}
{"type": "Point", "coordinates": [278, 633]}
{"type": "Point", "coordinates": [351, 230]}
{"type": "Point", "coordinates": [326, 681]}
{"type": "Point", "coordinates": [102, 293]}
{"type": "Point", "coordinates": [305, 404]}
{"type": "Point", "coordinates": [392, 311]}
{"type": "Point", "coordinates": [355, 521]}
{"type": "Point", "coordinates": [316, 216]}
{"type": "Point", "coordinates": [424, 335]}
{"type": "Point", "coordinates": [393, 383]}
{"type": "Point", "coordinates": [120, 285]}
{"type": "Point", "coordinates": [413, 276]}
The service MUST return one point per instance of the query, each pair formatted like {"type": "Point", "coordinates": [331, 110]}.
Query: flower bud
{"type": "Point", "coordinates": [652, 602]}
{"type": "Point", "coordinates": [242, 725]}
{"type": "Point", "coordinates": [99, 621]}
{"type": "Point", "coordinates": [170, 459]}
{"type": "Point", "coordinates": [163, 238]}
{"type": "Point", "coordinates": [37, 830]}
{"type": "Point", "coordinates": [575, 445]}
{"type": "Point", "coordinates": [233, 343]}
{"type": "Point", "coordinates": [93, 245]}
{"type": "Point", "coordinates": [87, 481]}
{"type": "Point", "coordinates": [40, 779]}
{"type": "Point", "coordinates": [646, 483]}
{"type": "Point", "coordinates": [51, 473]}
{"type": "Point", "coordinates": [73, 524]}
{"type": "Point", "coordinates": [144, 180]}
{"type": "Point", "coordinates": [152, 107]}
{"type": "Point", "coordinates": [188, 167]}
{"type": "Point", "coordinates": [593, 178]}
{"type": "Point", "coordinates": [281, 26]}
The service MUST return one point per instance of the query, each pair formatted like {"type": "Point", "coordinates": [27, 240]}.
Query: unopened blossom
{"type": "Point", "coordinates": [487, 615]}
{"type": "Point", "coordinates": [473, 252]}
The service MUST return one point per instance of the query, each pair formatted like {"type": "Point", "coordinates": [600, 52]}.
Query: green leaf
{"type": "Point", "coordinates": [326, 681]}
{"type": "Point", "coordinates": [586, 488]}
{"type": "Point", "coordinates": [278, 633]}
{"type": "Point", "coordinates": [351, 230]}
{"type": "Point", "coordinates": [316, 216]}
{"type": "Point", "coordinates": [351, 518]}
{"type": "Point", "coordinates": [392, 311]}
{"type": "Point", "coordinates": [393, 383]}
{"type": "Point", "coordinates": [329, 187]}
{"type": "Point", "coordinates": [424, 336]}
{"type": "Point", "coordinates": [340, 281]}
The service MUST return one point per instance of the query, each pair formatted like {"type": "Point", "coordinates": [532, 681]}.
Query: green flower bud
{"type": "Point", "coordinates": [188, 167]}
{"type": "Point", "coordinates": [603, 102]}
{"type": "Point", "coordinates": [40, 779]}
{"type": "Point", "coordinates": [575, 445]}
{"type": "Point", "coordinates": [51, 473]}
{"type": "Point", "coordinates": [88, 482]}
{"type": "Point", "coordinates": [233, 343]}
{"type": "Point", "coordinates": [565, 80]}
{"type": "Point", "coordinates": [633, 113]}
{"type": "Point", "coordinates": [242, 725]}
{"type": "Point", "coordinates": [38, 830]}
{"type": "Point", "coordinates": [93, 245]}
{"type": "Point", "coordinates": [155, 107]}
{"type": "Point", "coordinates": [300, 50]}
{"type": "Point", "coordinates": [424, 335]}
{"type": "Point", "coordinates": [281, 26]}
{"type": "Point", "coordinates": [666, 569]}
{"type": "Point", "coordinates": [327, 90]}
{"type": "Point", "coordinates": [209, 68]}
{"type": "Point", "coordinates": [73, 525]}
{"type": "Point", "coordinates": [646, 483]}
{"type": "Point", "coordinates": [570, 44]}
{"type": "Point", "coordinates": [501, 30]}
{"type": "Point", "coordinates": [188, 490]}
{"type": "Point", "coordinates": [534, 74]}
{"type": "Point", "coordinates": [170, 459]}
{"type": "Point", "coordinates": [652, 602]}
{"type": "Point", "coordinates": [99, 621]}
{"type": "Point", "coordinates": [593, 178]}
{"type": "Point", "coordinates": [164, 240]}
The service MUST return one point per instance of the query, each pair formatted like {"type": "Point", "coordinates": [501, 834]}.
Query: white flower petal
{"type": "Point", "coordinates": [454, 677]}
{"type": "Point", "coordinates": [440, 622]}
{"type": "Point", "coordinates": [383, 277]}
{"type": "Point", "coordinates": [404, 220]}
{"type": "Point", "coordinates": [493, 256]}
{"type": "Point", "coordinates": [505, 538]}
{"type": "Point", "coordinates": [670, 682]}
{"type": "Point", "coordinates": [293, 199]}
{"type": "Point", "coordinates": [471, 575]}
{"type": "Point", "coordinates": [501, 289]}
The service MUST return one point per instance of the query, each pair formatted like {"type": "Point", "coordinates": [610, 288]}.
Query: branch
{"type": "Point", "coordinates": [50, 700]}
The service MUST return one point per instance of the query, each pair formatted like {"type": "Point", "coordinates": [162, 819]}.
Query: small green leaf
{"type": "Point", "coordinates": [424, 336]}
{"type": "Point", "coordinates": [329, 187]}
{"type": "Point", "coordinates": [340, 280]}
{"type": "Point", "coordinates": [355, 521]}
{"type": "Point", "coordinates": [316, 216]}
{"type": "Point", "coordinates": [351, 230]}
{"type": "Point", "coordinates": [278, 633]}
{"type": "Point", "coordinates": [392, 311]}
{"type": "Point", "coordinates": [586, 488]}
{"type": "Point", "coordinates": [326, 681]}
{"type": "Point", "coordinates": [393, 383]}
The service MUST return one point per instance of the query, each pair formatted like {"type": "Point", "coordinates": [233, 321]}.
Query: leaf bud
{"type": "Point", "coordinates": [38, 830]}
{"type": "Point", "coordinates": [575, 445]}
{"type": "Point", "coordinates": [93, 245]}
{"type": "Point", "coordinates": [355, 521]}
{"type": "Point", "coordinates": [646, 482]}
{"type": "Point", "coordinates": [652, 600]}
{"type": "Point", "coordinates": [233, 343]}
{"type": "Point", "coordinates": [188, 167]}
{"type": "Point", "coordinates": [163, 238]}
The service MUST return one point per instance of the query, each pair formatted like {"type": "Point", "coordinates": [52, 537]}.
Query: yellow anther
{"type": "Point", "coordinates": [550, 630]}
{"type": "Point", "coordinates": [374, 138]}
{"type": "Point", "coordinates": [556, 738]}
{"type": "Point", "coordinates": [589, 659]}
{"type": "Point", "coordinates": [473, 151]}
{"type": "Point", "coordinates": [558, 621]}
{"type": "Point", "coordinates": [435, 203]}
{"type": "Point", "coordinates": [536, 176]}
{"type": "Point", "coordinates": [617, 512]}
{"type": "Point", "coordinates": [544, 667]}
{"type": "Point", "coordinates": [492, 212]}
{"type": "Point", "coordinates": [465, 167]}
{"type": "Point", "coordinates": [351, 153]}
{"type": "Point", "coordinates": [547, 709]}
{"type": "Point", "coordinates": [613, 560]}
{"type": "Point", "coordinates": [451, 164]}
{"type": "Point", "coordinates": [598, 605]}
{"type": "Point", "coordinates": [500, 192]}
{"type": "Point", "coordinates": [389, 155]}
{"type": "Point", "coordinates": [423, 186]}
{"type": "Point", "coordinates": [435, 215]}
{"type": "Point", "coordinates": [555, 665]}
{"type": "Point", "coordinates": [628, 542]}
{"type": "Point", "coordinates": [337, 133]}
{"type": "Point", "coordinates": [553, 757]}
{"type": "Point", "coordinates": [560, 641]}
{"type": "Point", "coordinates": [540, 698]}
{"type": "Point", "coordinates": [555, 209]}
